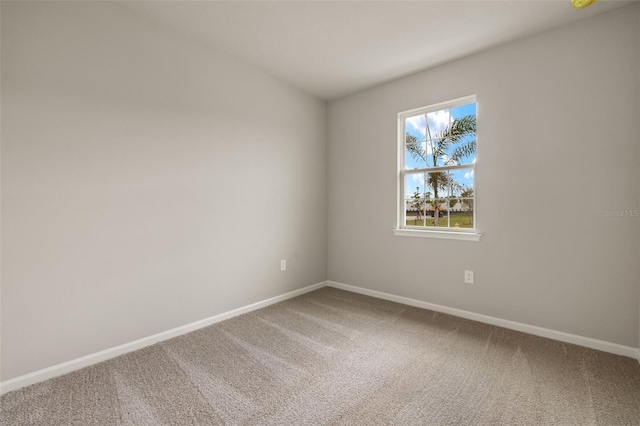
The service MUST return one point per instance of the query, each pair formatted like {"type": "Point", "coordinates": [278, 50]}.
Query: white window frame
{"type": "Point", "coordinates": [401, 229]}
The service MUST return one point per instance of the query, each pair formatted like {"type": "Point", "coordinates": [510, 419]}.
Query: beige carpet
{"type": "Point", "coordinates": [333, 357]}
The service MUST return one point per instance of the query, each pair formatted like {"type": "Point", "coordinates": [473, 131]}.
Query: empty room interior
{"type": "Point", "coordinates": [320, 213]}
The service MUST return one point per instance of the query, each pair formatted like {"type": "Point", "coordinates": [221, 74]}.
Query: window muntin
{"type": "Point", "coordinates": [437, 162]}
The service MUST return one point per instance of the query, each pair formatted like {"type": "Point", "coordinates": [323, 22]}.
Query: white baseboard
{"type": "Point", "coordinates": [588, 342]}
{"type": "Point", "coordinates": [85, 361]}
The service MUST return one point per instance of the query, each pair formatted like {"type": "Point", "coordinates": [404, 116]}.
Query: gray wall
{"type": "Point", "coordinates": [558, 145]}
{"type": "Point", "coordinates": [147, 182]}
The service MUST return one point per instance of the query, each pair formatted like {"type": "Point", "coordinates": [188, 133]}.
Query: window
{"type": "Point", "coordinates": [437, 166]}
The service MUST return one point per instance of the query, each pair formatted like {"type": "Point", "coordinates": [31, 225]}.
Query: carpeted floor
{"type": "Point", "coordinates": [332, 357]}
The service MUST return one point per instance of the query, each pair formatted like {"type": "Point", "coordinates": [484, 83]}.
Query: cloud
{"type": "Point", "coordinates": [418, 177]}
{"type": "Point", "coordinates": [438, 121]}
{"type": "Point", "coordinates": [417, 122]}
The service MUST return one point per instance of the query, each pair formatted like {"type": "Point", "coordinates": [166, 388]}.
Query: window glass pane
{"type": "Point", "coordinates": [415, 198]}
{"type": "Point", "coordinates": [463, 110]}
{"type": "Point", "coordinates": [415, 148]}
{"type": "Point", "coordinates": [435, 192]}
{"type": "Point", "coordinates": [461, 181]}
{"type": "Point", "coordinates": [463, 151]}
{"type": "Point", "coordinates": [462, 198]}
{"type": "Point", "coordinates": [439, 213]}
{"type": "Point", "coordinates": [450, 136]}
{"type": "Point", "coordinates": [413, 158]}
{"type": "Point", "coordinates": [415, 126]}
{"type": "Point", "coordinates": [462, 217]}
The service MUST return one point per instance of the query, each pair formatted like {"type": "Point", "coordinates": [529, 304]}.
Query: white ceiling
{"type": "Point", "coordinates": [334, 48]}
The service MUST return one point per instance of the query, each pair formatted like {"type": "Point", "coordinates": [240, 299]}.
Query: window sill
{"type": "Point", "coordinates": [447, 235]}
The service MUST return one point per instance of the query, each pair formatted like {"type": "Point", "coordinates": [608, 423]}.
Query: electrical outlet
{"type": "Point", "coordinates": [283, 265]}
{"type": "Point", "coordinates": [468, 277]}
